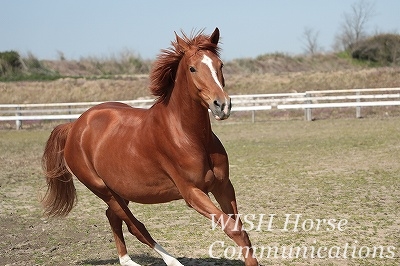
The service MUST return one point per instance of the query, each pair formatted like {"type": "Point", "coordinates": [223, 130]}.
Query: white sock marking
{"type": "Point", "coordinates": [127, 261]}
{"type": "Point", "coordinates": [168, 259]}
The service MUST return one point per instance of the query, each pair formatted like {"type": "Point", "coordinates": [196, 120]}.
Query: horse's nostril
{"type": "Point", "coordinates": [219, 106]}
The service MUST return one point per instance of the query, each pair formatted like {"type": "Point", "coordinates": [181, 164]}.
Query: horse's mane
{"type": "Point", "coordinates": [163, 73]}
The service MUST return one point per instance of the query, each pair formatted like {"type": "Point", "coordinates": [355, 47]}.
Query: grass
{"type": "Point", "coordinates": [35, 77]}
{"type": "Point", "coordinates": [343, 169]}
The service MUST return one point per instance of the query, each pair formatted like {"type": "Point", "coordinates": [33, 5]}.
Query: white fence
{"type": "Point", "coordinates": [309, 100]}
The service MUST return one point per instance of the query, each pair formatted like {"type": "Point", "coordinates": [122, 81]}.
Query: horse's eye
{"type": "Point", "coordinates": [222, 65]}
{"type": "Point", "coordinates": [192, 69]}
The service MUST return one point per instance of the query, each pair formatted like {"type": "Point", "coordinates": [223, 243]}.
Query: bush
{"type": "Point", "coordinates": [15, 68]}
{"type": "Point", "coordinates": [383, 49]}
{"type": "Point", "coordinates": [9, 62]}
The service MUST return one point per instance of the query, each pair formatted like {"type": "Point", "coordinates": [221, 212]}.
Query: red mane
{"type": "Point", "coordinates": [163, 73]}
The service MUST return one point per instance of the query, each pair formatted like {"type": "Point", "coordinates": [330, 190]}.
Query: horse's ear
{"type": "Point", "coordinates": [183, 46]}
{"type": "Point", "coordinates": [214, 38]}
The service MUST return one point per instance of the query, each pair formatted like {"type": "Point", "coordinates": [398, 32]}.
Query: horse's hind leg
{"type": "Point", "coordinates": [118, 211]}
{"type": "Point", "coordinates": [116, 227]}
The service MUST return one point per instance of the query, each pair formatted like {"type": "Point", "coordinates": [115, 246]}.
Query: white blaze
{"type": "Point", "coordinates": [208, 61]}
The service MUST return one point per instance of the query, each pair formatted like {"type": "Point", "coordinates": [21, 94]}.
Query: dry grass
{"type": "Point", "coordinates": [75, 90]}
{"type": "Point", "coordinates": [303, 81]}
{"type": "Point", "coordinates": [135, 86]}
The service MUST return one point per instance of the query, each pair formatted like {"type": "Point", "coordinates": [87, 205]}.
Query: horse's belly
{"type": "Point", "coordinates": [151, 195]}
{"type": "Point", "coordinates": [144, 189]}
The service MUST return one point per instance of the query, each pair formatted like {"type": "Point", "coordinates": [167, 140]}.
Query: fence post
{"type": "Point", "coordinates": [358, 108]}
{"type": "Point", "coordinates": [18, 123]}
{"type": "Point", "coordinates": [253, 112]}
{"type": "Point", "coordinates": [69, 112]}
{"type": "Point", "coordinates": [307, 111]}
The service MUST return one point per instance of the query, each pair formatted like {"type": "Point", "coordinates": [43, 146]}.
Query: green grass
{"type": "Point", "coordinates": [329, 169]}
{"type": "Point", "coordinates": [30, 77]}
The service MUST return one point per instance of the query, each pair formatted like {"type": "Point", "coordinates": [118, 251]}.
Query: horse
{"type": "Point", "coordinates": [167, 152]}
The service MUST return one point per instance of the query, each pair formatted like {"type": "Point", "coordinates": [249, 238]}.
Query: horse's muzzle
{"type": "Point", "coordinates": [221, 109]}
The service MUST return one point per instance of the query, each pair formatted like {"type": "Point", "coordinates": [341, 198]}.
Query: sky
{"type": "Point", "coordinates": [99, 28]}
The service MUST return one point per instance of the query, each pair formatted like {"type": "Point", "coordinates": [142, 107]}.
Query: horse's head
{"type": "Point", "coordinates": [204, 74]}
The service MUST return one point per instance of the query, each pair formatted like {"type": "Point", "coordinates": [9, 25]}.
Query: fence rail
{"type": "Point", "coordinates": [307, 101]}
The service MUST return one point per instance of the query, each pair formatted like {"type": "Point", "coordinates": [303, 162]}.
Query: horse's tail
{"type": "Point", "coordinates": [60, 197]}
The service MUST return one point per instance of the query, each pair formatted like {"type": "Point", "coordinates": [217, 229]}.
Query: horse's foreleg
{"type": "Point", "coordinates": [232, 225]}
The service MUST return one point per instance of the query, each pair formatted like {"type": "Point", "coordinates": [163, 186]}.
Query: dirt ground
{"type": "Point", "coordinates": [342, 169]}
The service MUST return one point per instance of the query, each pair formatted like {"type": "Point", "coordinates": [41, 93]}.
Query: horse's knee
{"type": "Point", "coordinates": [236, 233]}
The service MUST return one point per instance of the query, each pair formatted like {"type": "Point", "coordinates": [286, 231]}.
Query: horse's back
{"type": "Point", "coordinates": [110, 114]}
{"type": "Point", "coordinates": [106, 121]}
{"type": "Point", "coordinates": [111, 105]}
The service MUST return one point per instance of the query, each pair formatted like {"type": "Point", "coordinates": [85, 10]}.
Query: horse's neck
{"type": "Point", "coordinates": [190, 114]}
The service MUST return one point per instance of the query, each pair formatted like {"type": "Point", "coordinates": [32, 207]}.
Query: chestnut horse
{"type": "Point", "coordinates": [155, 155]}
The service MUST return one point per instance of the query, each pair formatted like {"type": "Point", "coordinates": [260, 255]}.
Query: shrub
{"type": "Point", "coordinates": [383, 49]}
{"type": "Point", "coordinates": [9, 62]}
{"type": "Point", "coordinates": [15, 68]}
